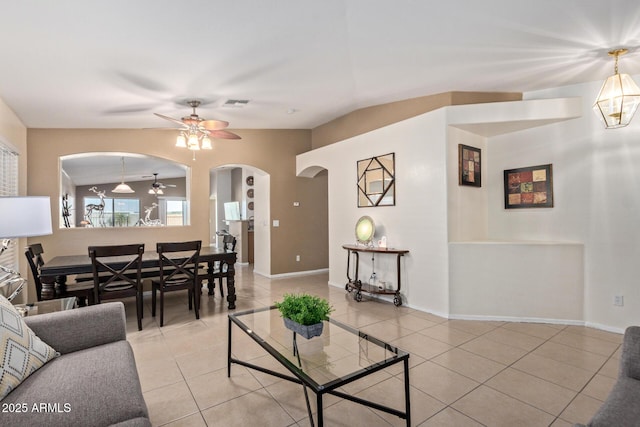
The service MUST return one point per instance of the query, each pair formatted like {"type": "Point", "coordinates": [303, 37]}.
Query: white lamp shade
{"type": "Point", "coordinates": [122, 188]}
{"type": "Point", "coordinates": [181, 141]}
{"type": "Point", "coordinates": [617, 101]}
{"type": "Point", "coordinates": [206, 143]}
{"type": "Point", "coordinates": [193, 143]}
{"type": "Point", "coordinates": [25, 216]}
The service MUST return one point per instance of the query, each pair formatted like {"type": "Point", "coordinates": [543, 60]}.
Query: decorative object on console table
{"type": "Point", "coordinates": [20, 217]}
{"type": "Point", "coordinates": [530, 187]}
{"type": "Point", "coordinates": [304, 314]}
{"type": "Point", "coordinates": [365, 230]}
{"type": "Point", "coordinates": [469, 166]}
{"type": "Point", "coordinates": [376, 181]}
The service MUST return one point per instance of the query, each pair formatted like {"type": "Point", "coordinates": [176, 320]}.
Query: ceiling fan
{"type": "Point", "coordinates": [197, 132]}
{"type": "Point", "coordinates": [157, 187]}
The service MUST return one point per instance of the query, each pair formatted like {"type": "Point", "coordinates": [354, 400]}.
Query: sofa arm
{"type": "Point", "coordinates": [630, 358]}
{"type": "Point", "coordinates": [72, 330]}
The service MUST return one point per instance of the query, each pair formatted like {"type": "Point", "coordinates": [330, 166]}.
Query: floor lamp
{"type": "Point", "coordinates": [20, 217]}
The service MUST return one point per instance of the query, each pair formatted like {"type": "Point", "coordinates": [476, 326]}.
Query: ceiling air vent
{"type": "Point", "coordinates": [235, 103]}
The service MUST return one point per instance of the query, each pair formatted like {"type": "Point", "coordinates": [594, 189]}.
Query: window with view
{"type": "Point", "coordinates": [173, 211]}
{"type": "Point", "coordinates": [113, 213]}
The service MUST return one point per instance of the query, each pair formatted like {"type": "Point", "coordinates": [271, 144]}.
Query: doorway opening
{"type": "Point", "coordinates": [240, 205]}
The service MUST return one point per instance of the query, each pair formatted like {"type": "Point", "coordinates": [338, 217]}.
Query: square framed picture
{"type": "Point", "coordinates": [530, 187]}
{"type": "Point", "coordinates": [469, 166]}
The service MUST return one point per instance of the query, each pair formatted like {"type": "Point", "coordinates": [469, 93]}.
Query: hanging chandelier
{"type": "Point", "coordinates": [122, 187]}
{"type": "Point", "coordinates": [619, 97]}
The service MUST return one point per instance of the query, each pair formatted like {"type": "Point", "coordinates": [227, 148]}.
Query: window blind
{"type": "Point", "coordinates": [9, 187]}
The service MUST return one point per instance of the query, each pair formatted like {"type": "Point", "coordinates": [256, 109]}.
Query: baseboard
{"type": "Point", "coordinates": [514, 319]}
{"type": "Point", "coordinates": [605, 327]}
{"type": "Point", "coordinates": [293, 274]}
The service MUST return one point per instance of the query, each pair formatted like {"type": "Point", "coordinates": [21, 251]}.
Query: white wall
{"type": "Point", "coordinates": [596, 182]}
{"type": "Point", "coordinates": [597, 203]}
{"type": "Point", "coordinates": [541, 282]}
{"type": "Point", "coordinates": [467, 206]}
{"type": "Point", "coordinates": [14, 134]}
{"type": "Point", "coordinates": [418, 222]}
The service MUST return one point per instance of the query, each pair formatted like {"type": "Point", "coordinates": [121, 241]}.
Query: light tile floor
{"type": "Point", "coordinates": [463, 373]}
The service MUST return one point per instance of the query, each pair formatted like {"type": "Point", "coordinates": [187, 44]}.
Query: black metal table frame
{"type": "Point", "coordinates": [330, 388]}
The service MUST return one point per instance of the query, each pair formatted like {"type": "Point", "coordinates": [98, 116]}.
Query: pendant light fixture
{"type": "Point", "coordinates": [122, 187]}
{"type": "Point", "coordinates": [619, 97]}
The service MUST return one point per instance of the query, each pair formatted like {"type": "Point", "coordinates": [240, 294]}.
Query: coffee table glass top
{"type": "Point", "coordinates": [48, 306]}
{"type": "Point", "coordinates": [341, 354]}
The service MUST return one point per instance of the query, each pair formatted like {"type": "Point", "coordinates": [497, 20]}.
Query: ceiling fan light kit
{"type": "Point", "coordinates": [619, 97]}
{"type": "Point", "coordinates": [196, 132]}
{"type": "Point", "coordinates": [156, 187]}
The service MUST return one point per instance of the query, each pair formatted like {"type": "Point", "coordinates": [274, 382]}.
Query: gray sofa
{"type": "Point", "coordinates": [93, 383]}
{"type": "Point", "coordinates": [622, 407]}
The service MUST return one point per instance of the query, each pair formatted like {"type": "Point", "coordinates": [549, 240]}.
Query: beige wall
{"type": "Point", "coordinates": [367, 119]}
{"type": "Point", "coordinates": [272, 151]}
{"type": "Point", "coordinates": [14, 133]}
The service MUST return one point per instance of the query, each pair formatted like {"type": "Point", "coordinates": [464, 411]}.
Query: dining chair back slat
{"type": "Point", "coordinates": [117, 273]}
{"type": "Point", "coordinates": [178, 271]}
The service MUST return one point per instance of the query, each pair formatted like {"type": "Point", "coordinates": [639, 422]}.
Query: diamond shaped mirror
{"type": "Point", "coordinates": [376, 181]}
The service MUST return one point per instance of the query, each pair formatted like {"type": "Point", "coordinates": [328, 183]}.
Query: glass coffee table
{"type": "Point", "coordinates": [324, 364]}
{"type": "Point", "coordinates": [47, 306]}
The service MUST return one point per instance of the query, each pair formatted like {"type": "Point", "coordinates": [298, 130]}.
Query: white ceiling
{"type": "Point", "coordinates": [111, 64]}
{"type": "Point", "coordinates": [102, 168]}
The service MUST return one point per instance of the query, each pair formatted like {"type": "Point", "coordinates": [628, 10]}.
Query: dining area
{"type": "Point", "coordinates": [115, 272]}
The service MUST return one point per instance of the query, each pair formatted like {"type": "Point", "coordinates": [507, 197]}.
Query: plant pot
{"type": "Point", "coordinates": [307, 331]}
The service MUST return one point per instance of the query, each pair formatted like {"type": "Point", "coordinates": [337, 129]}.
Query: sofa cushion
{"type": "Point", "coordinates": [98, 386]}
{"type": "Point", "coordinates": [21, 352]}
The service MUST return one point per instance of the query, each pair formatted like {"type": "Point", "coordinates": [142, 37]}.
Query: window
{"type": "Point", "coordinates": [111, 212]}
{"type": "Point", "coordinates": [173, 211]}
{"type": "Point", "coordinates": [9, 187]}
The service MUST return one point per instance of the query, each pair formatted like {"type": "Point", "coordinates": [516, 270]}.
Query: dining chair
{"type": "Point", "coordinates": [81, 290]}
{"type": "Point", "coordinates": [220, 269]}
{"type": "Point", "coordinates": [178, 271]}
{"type": "Point", "coordinates": [117, 278]}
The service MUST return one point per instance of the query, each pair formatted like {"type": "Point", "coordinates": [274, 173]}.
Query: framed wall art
{"type": "Point", "coordinates": [469, 166]}
{"type": "Point", "coordinates": [376, 181]}
{"type": "Point", "coordinates": [530, 187]}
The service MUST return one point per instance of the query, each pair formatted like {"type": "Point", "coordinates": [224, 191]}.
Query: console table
{"type": "Point", "coordinates": [355, 284]}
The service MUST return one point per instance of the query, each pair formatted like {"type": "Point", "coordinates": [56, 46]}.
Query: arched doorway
{"type": "Point", "coordinates": [240, 204]}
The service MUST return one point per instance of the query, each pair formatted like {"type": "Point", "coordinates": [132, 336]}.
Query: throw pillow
{"type": "Point", "coordinates": [21, 351]}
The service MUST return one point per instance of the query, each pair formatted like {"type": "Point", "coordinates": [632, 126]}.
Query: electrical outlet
{"type": "Point", "coordinates": [298, 258]}
{"type": "Point", "coordinates": [618, 300]}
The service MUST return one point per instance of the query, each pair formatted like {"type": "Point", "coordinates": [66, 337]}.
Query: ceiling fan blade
{"type": "Point", "coordinates": [214, 124]}
{"type": "Point", "coordinates": [223, 134]}
{"type": "Point", "coordinates": [171, 119]}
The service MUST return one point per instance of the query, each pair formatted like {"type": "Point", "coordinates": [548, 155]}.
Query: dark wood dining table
{"type": "Point", "coordinates": [65, 265]}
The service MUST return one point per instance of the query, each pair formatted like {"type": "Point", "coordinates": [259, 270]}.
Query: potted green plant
{"type": "Point", "coordinates": [304, 313]}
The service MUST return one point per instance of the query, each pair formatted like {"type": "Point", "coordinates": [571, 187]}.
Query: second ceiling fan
{"type": "Point", "coordinates": [197, 132]}
{"type": "Point", "coordinates": [157, 187]}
